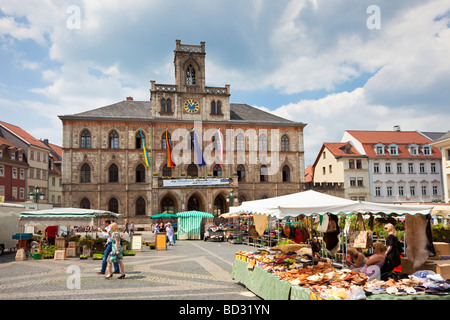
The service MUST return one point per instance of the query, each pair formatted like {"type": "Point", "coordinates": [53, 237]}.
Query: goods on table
{"type": "Point", "coordinates": [329, 283]}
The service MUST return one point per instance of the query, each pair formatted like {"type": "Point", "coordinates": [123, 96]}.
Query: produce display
{"type": "Point", "coordinates": [329, 283]}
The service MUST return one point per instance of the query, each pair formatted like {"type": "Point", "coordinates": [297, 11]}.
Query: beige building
{"type": "Point", "coordinates": [37, 158]}
{"type": "Point", "coordinates": [340, 163]}
{"type": "Point", "coordinates": [248, 153]}
{"type": "Point", "coordinates": [443, 143]}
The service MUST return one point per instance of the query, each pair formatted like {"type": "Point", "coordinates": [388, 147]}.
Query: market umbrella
{"type": "Point", "coordinates": [164, 215]}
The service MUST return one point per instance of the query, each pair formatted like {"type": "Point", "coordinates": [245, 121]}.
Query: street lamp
{"type": "Point", "coordinates": [231, 198]}
{"type": "Point", "coordinates": [34, 195]}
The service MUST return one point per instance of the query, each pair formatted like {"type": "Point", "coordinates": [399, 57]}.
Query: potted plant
{"type": "Point", "coordinates": [97, 256]}
{"type": "Point", "coordinates": [83, 256]}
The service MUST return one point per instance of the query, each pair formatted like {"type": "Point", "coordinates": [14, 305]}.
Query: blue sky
{"type": "Point", "coordinates": [315, 62]}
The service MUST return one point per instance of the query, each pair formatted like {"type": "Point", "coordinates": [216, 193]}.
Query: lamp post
{"type": "Point", "coordinates": [34, 195]}
{"type": "Point", "coordinates": [231, 198]}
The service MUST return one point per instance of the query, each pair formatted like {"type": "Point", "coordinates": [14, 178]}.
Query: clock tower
{"type": "Point", "coordinates": [189, 98]}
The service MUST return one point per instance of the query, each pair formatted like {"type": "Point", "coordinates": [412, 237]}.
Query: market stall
{"type": "Point", "coordinates": [66, 217]}
{"type": "Point", "coordinates": [314, 204]}
{"type": "Point", "coordinates": [190, 224]}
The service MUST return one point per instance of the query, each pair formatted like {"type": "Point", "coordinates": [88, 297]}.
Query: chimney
{"type": "Point", "coordinates": [397, 128]}
{"type": "Point", "coordinates": [129, 98]}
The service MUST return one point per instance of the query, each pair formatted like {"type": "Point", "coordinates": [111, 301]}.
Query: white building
{"type": "Point", "coordinates": [403, 165]}
{"type": "Point", "coordinates": [444, 144]}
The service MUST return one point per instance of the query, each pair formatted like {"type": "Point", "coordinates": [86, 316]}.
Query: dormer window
{"type": "Point", "coordinates": [393, 150]}
{"type": "Point", "coordinates": [414, 149]}
{"type": "Point", "coordinates": [379, 149]}
{"type": "Point", "coordinates": [426, 149]}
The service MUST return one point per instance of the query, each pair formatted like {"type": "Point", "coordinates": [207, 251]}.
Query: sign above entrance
{"type": "Point", "coordinates": [195, 182]}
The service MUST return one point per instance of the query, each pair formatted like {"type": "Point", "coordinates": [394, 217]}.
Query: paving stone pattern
{"type": "Point", "coordinates": [189, 270]}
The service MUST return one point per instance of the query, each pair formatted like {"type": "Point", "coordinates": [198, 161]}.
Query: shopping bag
{"type": "Point", "coordinates": [360, 239]}
{"type": "Point", "coordinates": [323, 225]}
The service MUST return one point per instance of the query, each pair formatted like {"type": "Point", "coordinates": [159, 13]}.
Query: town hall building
{"type": "Point", "coordinates": [187, 148]}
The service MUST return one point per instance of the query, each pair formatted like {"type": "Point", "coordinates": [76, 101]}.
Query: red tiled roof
{"type": "Point", "coordinates": [7, 143]}
{"type": "Point", "coordinates": [401, 138]}
{"type": "Point", "coordinates": [338, 149]}
{"type": "Point", "coordinates": [309, 173]}
{"type": "Point", "coordinates": [23, 135]}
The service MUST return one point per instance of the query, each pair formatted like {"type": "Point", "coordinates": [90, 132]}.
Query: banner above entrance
{"type": "Point", "coordinates": [195, 182]}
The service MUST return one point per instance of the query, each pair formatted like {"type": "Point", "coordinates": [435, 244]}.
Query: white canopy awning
{"type": "Point", "coordinates": [311, 202]}
{"type": "Point", "coordinates": [65, 216]}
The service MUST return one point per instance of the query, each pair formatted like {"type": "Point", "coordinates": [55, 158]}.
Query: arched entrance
{"type": "Point", "coordinates": [219, 205]}
{"type": "Point", "coordinates": [195, 203]}
{"type": "Point", "coordinates": [168, 204]}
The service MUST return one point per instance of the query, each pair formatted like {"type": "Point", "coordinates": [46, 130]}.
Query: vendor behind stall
{"type": "Point", "coordinates": [50, 234]}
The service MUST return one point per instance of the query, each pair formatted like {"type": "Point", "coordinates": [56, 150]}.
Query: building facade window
{"type": "Point", "coordinates": [167, 171]}
{"type": "Point", "coordinates": [399, 167]}
{"type": "Point", "coordinates": [422, 167]}
{"type": "Point", "coordinates": [241, 173]}
{"type": "Point", "coordinates": [85, 139]}
{"type": "Point", "coordinates": [217, 171]}
{"type": "Point", "coordinates": [424, 190]}
{"type": "Point", "coordinates": [378, 191]}
{"type": "Point", "coordinates": [351, 164]}
{"type": "Point", "coordinates": [113, 140]}
{"type": "Point", "coordinates": [113, 173]}
{"type": "Point", "coordinates": [140, 207]}
{"type": "Point", "coordinates": [85, 176]}
{"type": "Point", "coordinates": [240, 142]}
{"type": "Point", "coordinates": [389, 191]}
{"type": "Point", "coordinates": [286, 172]}
{"type": "Point", "coordinates": [262, 142]}
{"type": "Point", "coordinates": [401, 190]}
{"type": "Point", "coordinates": [433, 168]}
{"type": "Point", "coordinates": [412, 190]}
{"type": "Point", "coordinates": [140, 173]}
{"type": "Point", "coordinates": [192, 170]}
{"type": "Point", "coordinates": [113, 205]}
{"type": "Point", "coordinates": [388, 167]}
{"type": "Point", "coordinates": [285, 143]}
{"type": "Point", "coordinates": [164, 141]}
{"type": "Point", "coordinates": [376, 167]}
{"type": "Point", "coordinates": [411, 167]}
{"type": "Point", "coordinates": [167, 205]}
{"type": "Point", "coordinates": [435, 190]}
{"type": "Point", "coordinates": [263, 174]}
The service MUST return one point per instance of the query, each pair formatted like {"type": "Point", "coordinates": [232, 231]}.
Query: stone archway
{"type": "Point", "coordinates": [195, 202]}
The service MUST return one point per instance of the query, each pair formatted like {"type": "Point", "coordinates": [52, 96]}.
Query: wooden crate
{"type": "Point", "coordinates": [71, 252]}
{"type": "Point", "coordinates": [60, 242]}
{"type": "Point", "coordinates": [60, 255]}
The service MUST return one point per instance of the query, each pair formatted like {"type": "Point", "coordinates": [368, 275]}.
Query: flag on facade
{"type": "Point", "coordinates": [146, 158]}
{"type": "Point", "coordinates": [170, 163]}
{"type": "Point", "coordinates": [220, 146]}
{"type": "Point", "coordinates": [198, 152]}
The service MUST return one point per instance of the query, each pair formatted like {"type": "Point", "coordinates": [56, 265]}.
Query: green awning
{"type": "Point", "coordinates": [195, 214]}
{"type": "Point", "coordinates": [164, 215]}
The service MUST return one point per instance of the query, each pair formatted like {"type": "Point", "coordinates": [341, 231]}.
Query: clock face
{"type": "Point", "coordinates": [191, 106]}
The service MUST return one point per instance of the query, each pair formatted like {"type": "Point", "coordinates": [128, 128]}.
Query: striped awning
{"type": "Point", "coordinates": [195, 213]}
{"type": "Point", "coordinates": [189, 224]}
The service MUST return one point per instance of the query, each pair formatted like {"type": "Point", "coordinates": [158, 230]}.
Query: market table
{"type": "Point", "coordinates": [408, 297]}
{"type": "Point", "coordinates": [264, 284]}
{"type": "Point", "coordinates": [269, 287]}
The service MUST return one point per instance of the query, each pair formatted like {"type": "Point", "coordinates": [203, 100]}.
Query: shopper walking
{"type": "Point", "coordinates": [108, 247]}
{"type": "Point", "coordinates": [115, 255]}
{"type": "Point", "coordinates": [169, 233]}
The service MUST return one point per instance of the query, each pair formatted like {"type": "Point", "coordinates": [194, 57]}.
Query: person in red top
{"type": "Point", "coordinates": [50, 234]}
